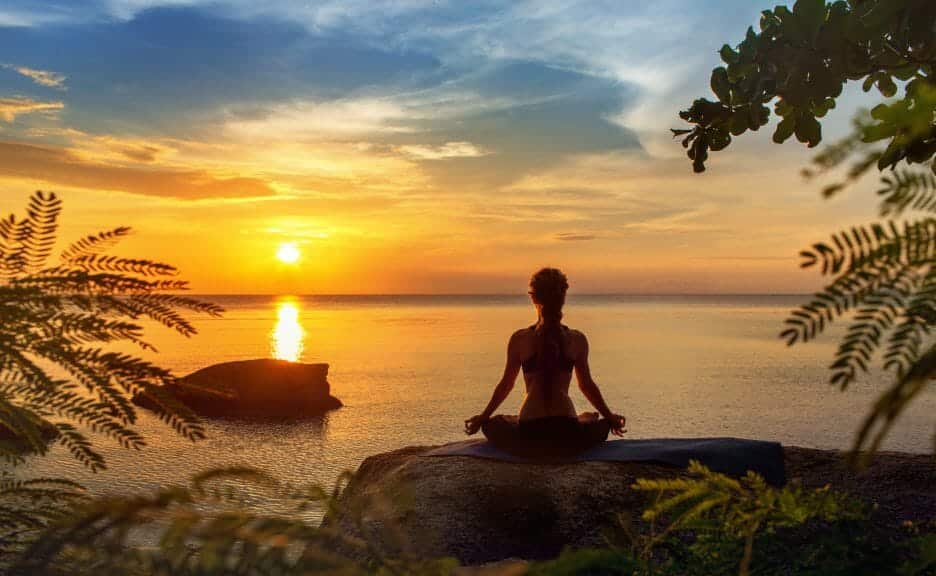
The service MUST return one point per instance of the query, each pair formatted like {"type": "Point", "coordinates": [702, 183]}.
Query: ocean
{"type": "Point", "coordinates": [410, 369]}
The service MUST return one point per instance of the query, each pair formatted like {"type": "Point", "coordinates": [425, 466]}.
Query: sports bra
{"type": "Point", "coordinates": [531, 364]}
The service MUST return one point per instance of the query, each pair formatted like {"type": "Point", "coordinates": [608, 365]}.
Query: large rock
{"type": "Point", "coordinates": [264, 388]}
{"type": "Point", "coordinates": [483, 510]}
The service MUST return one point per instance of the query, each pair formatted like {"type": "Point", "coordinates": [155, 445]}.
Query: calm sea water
{"type": "Point", "coordinates": [411, 369]}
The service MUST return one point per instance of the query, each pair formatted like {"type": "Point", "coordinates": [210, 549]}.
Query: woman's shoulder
{"type": "Point", "coordinates": [576, 337]}
{"type": "Point", "coordinates": [573, 333]}
{"type": "Point", "coordinates": [522, 334]}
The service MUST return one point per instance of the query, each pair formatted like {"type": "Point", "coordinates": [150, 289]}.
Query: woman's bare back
{"type": "Point", "coordinates": [544, 400]}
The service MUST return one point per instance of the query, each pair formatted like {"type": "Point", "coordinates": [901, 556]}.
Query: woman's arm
{"type": "Point", "coordinates": [590, 389]}
{"type": "Point", "coordinates": [503, 388]}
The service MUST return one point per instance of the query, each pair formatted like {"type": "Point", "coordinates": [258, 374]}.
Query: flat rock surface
{"type": "Point", "coordinates": [481, 511]}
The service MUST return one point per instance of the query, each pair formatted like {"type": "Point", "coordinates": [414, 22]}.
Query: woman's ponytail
{"type": "Point", "coordinates": [548, 289]}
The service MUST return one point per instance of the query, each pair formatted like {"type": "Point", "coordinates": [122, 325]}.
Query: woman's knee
{"type": "Point", "coordinates": [588, 417]}
{"type": "Point", "coordinates": [498, 425]}
{"type": "Point", "coordinates": [599, 430]}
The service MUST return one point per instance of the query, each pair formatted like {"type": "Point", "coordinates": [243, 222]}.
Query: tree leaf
{"type": "Point", "coordinates": [886, 86]}
{"type": "Point", "coordinates": [784, 130]}
{"type": "Point", "coordinates": [728, 55]}
{"type": "Point", "coordinates": [721, 86]}
{"type": "Point", "coordinates": [808, 130]}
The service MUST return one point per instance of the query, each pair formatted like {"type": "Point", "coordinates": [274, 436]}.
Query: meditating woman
{"type": "Point", "coordinates": [548, 352]}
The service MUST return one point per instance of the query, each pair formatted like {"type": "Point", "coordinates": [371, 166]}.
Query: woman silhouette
{"type": "Point", "coordinates": [547, 352]}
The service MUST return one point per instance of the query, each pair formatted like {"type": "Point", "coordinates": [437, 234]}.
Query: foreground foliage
{"type": "Point", "coordinates": [57, 379]}
{"type": "Point", "coordinates": [29, 506]}
{"type": "Point", "coordinates": [802, 58]}
{"type": "Point", "coordinates": [207, 528]}
{"type": "Point", "coordinates": [882, 273]}
{"type": "Point", "coordinates": [709, 523]}
{"type": "Point", "coordinates": [739, 509]}
{"type": "Point", "coordinates": [705, 524]}
{"type": "Point", "coordinates": [60, 382]}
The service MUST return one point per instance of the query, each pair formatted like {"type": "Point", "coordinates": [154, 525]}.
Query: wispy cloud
{"type": "Point", "coordinates": [104, 148]}
{"type": "Point", "coordinates": [638, 45]}
{"type": "Point", "coordinates": [40, 77]}
{"type": "Point", "coordinates": [313, 120]}
{"type": "Point", "coordinates": [10, 108]}
{"type": "Point", "coordinates": [575, 237]}
{"type": "Point", "coordinates": [12, 17]}
{"type": "Point", "coordinates": [61, 167]}
{"type": "Point", "coordinates": [444, 151]}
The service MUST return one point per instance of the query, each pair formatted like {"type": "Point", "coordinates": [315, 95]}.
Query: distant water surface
{"type": "Point", "coordinates": [410, 369]}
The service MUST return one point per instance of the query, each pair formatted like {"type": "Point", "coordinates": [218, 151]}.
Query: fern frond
{"type": "Point", "coordinates": [16, 366]}
{"type": "Point", "coordinates": [843, 295]}
{"type": "Point", "coordinates": [27, 243]}
{"type": "Point", "coordinates": [173, 412]}
{"type": "Point", "coordinates": [185, 303]}
{"type": "Point", "coordinates": [79, 408]}
{"type": "Point", "coordinates": [114, 264]}
{"type": "Point", "coordinates": [903, 348]}
{"type": "Point", "coordinates": [42, 214]}
{"type": "Point", "coordinates": [877, 316]}
{"type": "Point", "coordinates": [150, 306]}
{"type": "Point", "coordinates": [79, 328]}
{"type": "Point", "coordinates": [80, 446]}
{"type": "Point", "coordinates": [94, 244]}
{"type": "Point", "coordinates": [60, 318]}
{"type": "Point", "coordinates": [903, 190]}
{"type": "Point", "coordinates": [866, 259]}
{"type": "Point", "coordinates": [89, 367]}
{"type": "Point", "coordinates": [892, 403]}
{"type": "Point", "coordinates": [66, 282]}
{"type": "Point", "coordinates": [875, 245]}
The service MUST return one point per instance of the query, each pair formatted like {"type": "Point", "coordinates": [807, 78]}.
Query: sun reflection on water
{"type": "Point", "coordinates": [286, 340]}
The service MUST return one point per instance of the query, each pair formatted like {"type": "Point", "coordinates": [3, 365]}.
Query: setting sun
{"type": "Point", "coordinates": [288, 253]}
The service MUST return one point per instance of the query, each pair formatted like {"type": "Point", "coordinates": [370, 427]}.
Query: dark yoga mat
{"type": "Point", "coordinates": [732, 456]}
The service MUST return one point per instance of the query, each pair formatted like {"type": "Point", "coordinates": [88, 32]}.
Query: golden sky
{"type": "Point", "coordinates": [423, 147]}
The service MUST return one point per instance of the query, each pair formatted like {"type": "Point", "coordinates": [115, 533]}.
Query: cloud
{"type": "Point", "coordinates": [41, 77]}
{"type": "Point", "coordinates": [29, 17]}
{"type": "Point", "coordinates": [108, 149]}
{"type": "Point", "coordinates": [447, 150]}
{"type": "Point", "coordinates": [319, 120]}
{"type": "Point", "coordinates": [62, 167]}
{"type": "Point", "coordinates": [10, 108]}
{"type": "Point", "coordinates": [574, 237]}
{"type": "Point", "coordinates": [391, 113]}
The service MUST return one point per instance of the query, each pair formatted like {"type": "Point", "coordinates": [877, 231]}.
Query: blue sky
{"type": "Point", "coordinates": [474, 138]}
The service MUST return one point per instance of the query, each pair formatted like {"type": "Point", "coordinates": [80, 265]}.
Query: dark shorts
{"type": "Point", "coordinates": [552, 437]}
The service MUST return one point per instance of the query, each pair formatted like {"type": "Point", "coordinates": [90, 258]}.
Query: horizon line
{"type": "Point", "coordinates": [454, 294]}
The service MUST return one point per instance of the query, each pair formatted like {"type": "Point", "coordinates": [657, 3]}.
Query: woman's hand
{"type": "Point", "coordinates": [473, 424]}
{"type": "Point", "coordinates": [617, 424]}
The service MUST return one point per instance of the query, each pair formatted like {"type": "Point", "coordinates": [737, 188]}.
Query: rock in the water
{"type": "Point", "coordinates": [482, 511]}
{"type": "Point", "coordinates": [264, 388]}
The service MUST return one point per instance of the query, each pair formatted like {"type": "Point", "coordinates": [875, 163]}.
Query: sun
{"type": "Point", "coordinates": [288, 253]}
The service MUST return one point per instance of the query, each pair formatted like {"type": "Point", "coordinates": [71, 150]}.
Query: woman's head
{"type": "Point", "coordinates": [548, 290]}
